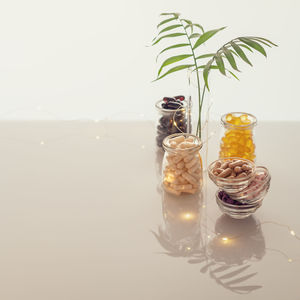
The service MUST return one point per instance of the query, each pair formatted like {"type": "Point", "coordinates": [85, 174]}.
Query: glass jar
{"type": "Point", "coordinates": [182, 164]}
{"type": "Point", "coordinates": [172, 120]}
{"type": "Point", "coordinates": [238, 135]}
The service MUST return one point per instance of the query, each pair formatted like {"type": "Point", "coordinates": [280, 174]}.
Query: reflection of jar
{"type": "Point", "coordinates": [237, 241]}
{"type": "Point", "coordinates": [181, 233]}
{"type": "Point", "coordinates": [182, 164]}
{"type": "Point", "coordinates": [238, 136]}
{"type": "Point", "coordinates": [172, 121]}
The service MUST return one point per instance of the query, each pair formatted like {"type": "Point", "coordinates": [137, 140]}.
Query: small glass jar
{"type": "Point", "coordinates": [238, 136]}
{"type": "Point", "coordinates": [170, 121]}
{"type": "Point", "coordinates": [182, 164]}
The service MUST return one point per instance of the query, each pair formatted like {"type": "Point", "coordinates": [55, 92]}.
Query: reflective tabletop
{"type": "Point", "coordinates": [83, 216]}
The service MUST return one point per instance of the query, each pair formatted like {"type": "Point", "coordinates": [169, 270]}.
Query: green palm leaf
{"type": "Point", "coordinates": [170, 14]}
{"type": "Point", "coordinates": [254, 45]}
{"type": "Point", "coordinates": [212, 67]}
{"type": "Point", "coordinates": [230, 58]}
{"type": "Point", "coordinates": [206, 55]}
{"type": "Point", "coordinates": [262, 42]}
{"type": "Point", "coordinates": [172, 60]}
{"type": "Point", "coordinates": [166, 21]}
{"type": "Point", "coordinates": [171, 47]}
{"type": "Point", "coordinates": [206, 72]}
{"type": "Point", "coordinates": [205, 36]}
{"type": "Point", "coordinates": [168, 36]}
{"type": "Point", "coordinates": [246, 47]}
{"type": "Point", "coordinates": [194, 25]}
{"type": "Point", "coordinates": [220, 63]}
{"type": "Point", "coordinates": [169, 28]}
{"type": "Point", "coordinates": [194, 35]}
{"type": "Point", "coordinates": [263, 39]}
{"type": "Point", "coordinates": [240, 52]}
{"type": "Point", "coordinates": [233, 52]}
{"type": "Point", "coordinates": [188, 26]}
{"type": "Point", "coordinates": [175, 69]}
{"type": "Point", "coordinates": [187, 21]}
{"type": "Point", "coordinates": [199, 26]}
{"type": "Point", "coordinates": [233, 74]}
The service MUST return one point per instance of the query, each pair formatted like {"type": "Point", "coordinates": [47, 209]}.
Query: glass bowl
{"type": "Point", "coordinates": [257, 189]}
{"type": "Point", "coordinates": [238, 211]}
{"type": "Point", "coordinates": [231, 185]}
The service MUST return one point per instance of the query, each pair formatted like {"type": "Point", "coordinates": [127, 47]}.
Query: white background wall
{"type": "Point", "coordinates": [87, 59]}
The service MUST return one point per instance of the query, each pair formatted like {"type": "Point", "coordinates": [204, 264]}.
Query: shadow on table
{"type": "Point", "coordinates": [226, 256]}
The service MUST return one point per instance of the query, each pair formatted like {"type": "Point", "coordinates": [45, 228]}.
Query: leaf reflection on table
{"type": "Point", "coordinates": [226, 257]}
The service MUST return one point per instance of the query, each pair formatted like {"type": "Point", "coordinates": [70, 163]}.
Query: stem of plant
{"type": "Point", "coordinates": [198, 131]}
{"type": "Point", "coordinates": [200, 109]}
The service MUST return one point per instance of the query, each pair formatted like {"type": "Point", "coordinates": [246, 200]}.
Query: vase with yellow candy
{"type": "Point", "coordinates": [238, 135]}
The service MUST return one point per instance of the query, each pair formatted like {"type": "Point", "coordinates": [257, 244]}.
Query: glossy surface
{"type": "Point", "coordinates": [83, 216]}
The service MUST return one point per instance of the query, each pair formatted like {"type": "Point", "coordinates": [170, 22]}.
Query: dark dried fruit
{"type": "Point", "coordinates": [173, 121]}
{"type": "Point", "coordinates": [167, 99]}
{"type": "Point", "coordinates": [226, 198]}
{"type": "Point", "coordinates": [181, 98]}
{"type": "Point", "coordinates": [173, 105]}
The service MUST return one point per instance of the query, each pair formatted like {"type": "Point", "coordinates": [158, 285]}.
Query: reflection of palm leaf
{"type": "Point", "coordinates": [234, 273]}
{"type": "Point", "coordinates": [205, 268]}
{"type": "Point", "coordinates": [197, 261]}
{"type": "Point", "coordinates": [172, 254]}
{"type": "Point", "coordinates": [221, 269]}
{"type": "Point", "coordinates": [219, 279]}
{"type": "Point", "coordinates": [235, 289]}
{"type": "Point", "coordinates": [163, 240]}
{"type": "Point", "coordinates": [248, 288]}
{"type": "Point", "coordinates": [241, 279]}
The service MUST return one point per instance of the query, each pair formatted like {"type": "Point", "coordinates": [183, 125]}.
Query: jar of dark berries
{"type": "Point", "coordinates": [174, 117]}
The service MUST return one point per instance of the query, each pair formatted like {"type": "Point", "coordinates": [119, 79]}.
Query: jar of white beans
{"type": "Point", "coordinates": [182, 164]}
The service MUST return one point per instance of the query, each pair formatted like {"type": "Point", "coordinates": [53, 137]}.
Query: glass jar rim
{"type": "Point", "coordinates": [227, 124]}
{"type": "Point", "coordinates": [197, 146]}
{"type": "Point", "coordinates": [183, 107]}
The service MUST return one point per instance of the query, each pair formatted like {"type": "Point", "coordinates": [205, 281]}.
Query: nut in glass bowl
{"type": "Point", "coordinates": [232, 174]}
{"type": "Point", "coordinates": [236, 209]}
